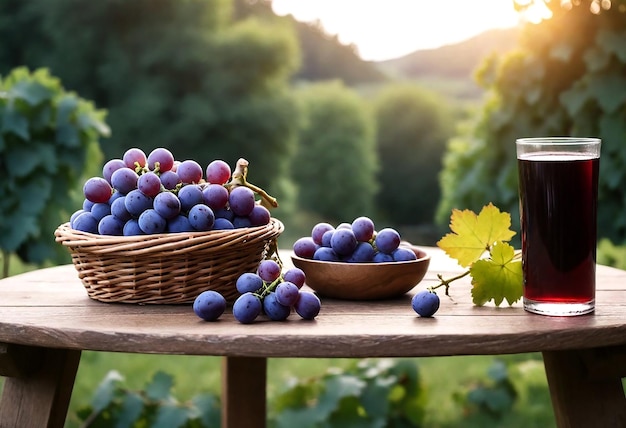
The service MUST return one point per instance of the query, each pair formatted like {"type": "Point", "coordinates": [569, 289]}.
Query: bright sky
{"type": "Point", "coordinates": [384, 29]}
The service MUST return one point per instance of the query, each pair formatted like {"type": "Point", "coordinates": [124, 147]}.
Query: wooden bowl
{"type": "Point", "coordinates": [363, 281]}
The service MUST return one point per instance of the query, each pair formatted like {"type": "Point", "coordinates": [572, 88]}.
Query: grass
{"type": "Point", "coordinates": [443, 378]}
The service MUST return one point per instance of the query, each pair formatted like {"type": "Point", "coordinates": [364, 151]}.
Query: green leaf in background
{"type": "Point", "coordinates": [338, 387]}
{"type": "Point", "coordinates": [14, 122]}
{"type": "Point", "coordinates": [130, 410]}
{"type": "Point", "coordinates": [22, 161]}
{"type": "Point", "coordinates": [32, 92]}
{"type": "Point", "coordinates": [613, 42]}
{"type": "Point", "coordinates": [170, 415]}
{"type": "Point", "coordinates": [106, 391]}
{"type": "Point", "coordinates": [209, 409]}
{"type": "Point", "coordinates": [160, 386]}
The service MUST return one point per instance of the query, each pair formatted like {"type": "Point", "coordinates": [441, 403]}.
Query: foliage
{"type": "Point", "coordinates": [494, 397]}
{"type": "Point", "coordinates": [335, 164]}
{"type": "Point", "coordinates": [176, 74]}
{"type": "Point", "coordinates": [567, 78]}
{"type": "Point", "coordinates": [497, 277]}
{"type": "Point", "coordinates": [48, 140]}
{"type": "Point", "coordinates": [368, 393]}
{"type": "Point", "coordinates": [154, 406]}
{"type": "Point", "coordinates": [412, 128]}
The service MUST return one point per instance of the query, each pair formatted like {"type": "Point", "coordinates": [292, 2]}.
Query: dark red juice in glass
{"type": "Point", "coordinates": [558, 197]}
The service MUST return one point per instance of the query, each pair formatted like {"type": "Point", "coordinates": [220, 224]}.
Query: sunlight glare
{"type": "Point", "coordinates": [384, 29]}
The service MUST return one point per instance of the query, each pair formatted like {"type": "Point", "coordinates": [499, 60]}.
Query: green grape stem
{"type": "Point", "coordinates": [446, 282]}
{"type": "Point", "coordinates": [239, 178]}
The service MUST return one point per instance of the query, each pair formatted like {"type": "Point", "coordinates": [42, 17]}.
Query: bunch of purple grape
{"type": "Point", "coordinates": [151, 194]}
{"type": "Point", "coordinates": [267, 291]}
{"type": "Point", "coordinates": [356, 242]}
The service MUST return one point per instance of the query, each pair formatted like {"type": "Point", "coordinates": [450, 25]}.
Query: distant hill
{"type": "Point", "coordinates": [455, 61]}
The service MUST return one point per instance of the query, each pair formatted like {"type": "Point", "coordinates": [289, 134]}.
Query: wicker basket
{"type": "Point", "coordinates": [166, 268]}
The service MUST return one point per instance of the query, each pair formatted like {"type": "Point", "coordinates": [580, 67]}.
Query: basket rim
{"type": "Point", "coordinates": [101, 244]}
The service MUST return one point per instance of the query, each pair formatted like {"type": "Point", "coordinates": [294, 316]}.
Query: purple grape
{"type": "Point", "coordinates": [215, 196]}
{"type": "Point", "coordinates": [85, 222]}
{"type": "Point", "coordinates": [343, 242]}
{"type": "Point", "coordinates": [97, 189]}
{"type": "Point", "coordinates": [111, 225]}
{"type": "Point", "coordinates": [308, 305]}
{"type": "Point", "coordinates": [260, 216]}
{"type": "Point", "coordinates": [87, 204]}
{"type": "Point", "coordinates": [269, 270]}
{"type": "Point", "coordinates": [161, 158]}
{"type": "Point", "coordinates": [387, 240]}
{"type": "Point", "coordinates": [425, 303]}
{"type": "Point", "coordinates": [74, 215]}
{"type": "Point", "coordinates": [149, 183]}
{"type": "Point", "coordinates": [318, 231]}
{"type": "Point", "coordinates": [326, 237]}
{"type": "Point", "coordinates": [178, 224]}
{"type": "Point", "coordinates": [247, 308]}
{"type": "Point", "coordinates": [136, 202]}
{"type": "Point", "coordinates": [169, 180]}
{"type": "Point", "coordinates": [209, 305]}
{"type": "Point", "coordinates": [99, 210]}
{"type": "Point", "coordinates": [326, 254]}
{"type": "Point", "coordinates": [344, 226]}
{"type": "Point", "coordinates": [189, 195]}
{"type": "Point", "coordinates": [249, 282]}
{"type": "Point", "coordinates": [363, 253]}
{"type": "Point", "coordinates": [110, 167]}
{"type": "Point", "coordinates": [151, 222]}
{"type": "Point", "coordinates": [218, 172]}
{"type": "Point", "coordinates": [131, 228]}
{"type": "Point", "coordinates": [201, 217]}
{"type": "Point", "coordinates": [241, 201]}
{"type": "Point", "coordinates": [295, 275]}
{"type": "Point", "coordinates": [189, 171]}
{"type": "Point", "coordinates": [363, 228]}
{"type": "Point", "coordinates": [118, 209]}
{"type": "Point", "coordinates": [167, 205]}
{"type": "Point", "coordinates": [304, 247]}
{"type": "Point", "coordinates": [222, 224]}
{"type": "Point", "coordinates": [239, 222]}
{"type": "Point", "coordinates": [124, 180]}
{"type": "Point", "coordinates": [275, 310]}
{"type": "Point", "coordinates": [287, 293]}
{"type": "Point", "coordinates": [224, 213]}
{"type": "Point", "coordinates": [115, 196]}
{"type": "Point", "coordinates": [380, 257]}
{"type": "Point", "coordinates": [403, 254]}
{"type": "Point", "coordinates": [134, 158]}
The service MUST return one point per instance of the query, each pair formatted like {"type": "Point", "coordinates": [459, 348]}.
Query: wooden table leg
{"type": "Point", "coordinates": [38, 386]}
{"type": "Point", "coordinates": [244, 392]}
{"type": "Point", "coordinates": [586, 387]}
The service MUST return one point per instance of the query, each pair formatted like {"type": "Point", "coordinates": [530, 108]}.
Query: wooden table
{"type": "Point", "coordinates": [46, 320]}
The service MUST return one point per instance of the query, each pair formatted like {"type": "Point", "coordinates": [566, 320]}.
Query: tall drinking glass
{"type": "Point", "coordinates": [558, 194]}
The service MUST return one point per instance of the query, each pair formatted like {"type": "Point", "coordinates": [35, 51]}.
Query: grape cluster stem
{"type": "Point", "coordinates": [239, 178]}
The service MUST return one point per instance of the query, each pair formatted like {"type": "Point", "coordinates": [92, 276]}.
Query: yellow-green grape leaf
{"type": "Point", "coordinates": [498, 277]}
{"type": "Point", "coordinates": [473, 234]}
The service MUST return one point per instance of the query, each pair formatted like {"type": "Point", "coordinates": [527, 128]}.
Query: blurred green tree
{"type": "Point", "coordinates": [185, 75]}
{"type": "Point", "coordinates": [48, 147]}
{"type": "Point", "coordinates": [335, 164]}
{"type": "Point", "coordinates": [566, 78]}
{"type": "Point", "coordinates": [414, 125]}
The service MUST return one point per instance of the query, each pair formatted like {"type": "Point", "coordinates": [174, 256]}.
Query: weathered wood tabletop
{"type": "Point", "coordinates": [46, 320]}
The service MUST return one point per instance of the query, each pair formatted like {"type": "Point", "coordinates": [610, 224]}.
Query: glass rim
{"type": "Point", "coordinates": [547, 141]}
